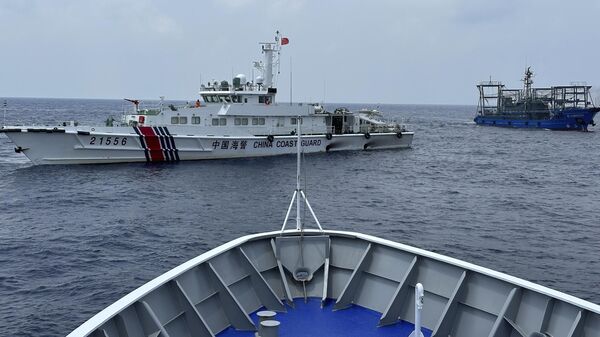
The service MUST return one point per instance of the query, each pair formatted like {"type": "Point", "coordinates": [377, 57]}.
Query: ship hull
{"type": "Point", "coordinates": [575, 119]}
{"type": "Point", "coordinates": [158, 144]}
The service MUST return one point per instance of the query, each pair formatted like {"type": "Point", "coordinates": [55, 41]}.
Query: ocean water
{"type": "Point", "coordinates": [74, 239]}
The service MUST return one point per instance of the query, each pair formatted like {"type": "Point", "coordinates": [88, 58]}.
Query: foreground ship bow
{"type": "Point", "coordinates": [354, 285]}
{"type": "Point", "coordinates": [233, 120]}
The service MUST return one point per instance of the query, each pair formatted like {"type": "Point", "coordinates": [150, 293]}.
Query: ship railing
{"type": "Point", "coordinates": [488, 110]}
{"type": "Point", "coordinates": [291, 129]}
{"type": "Point", "coordinates": [147, 112]}
{"type": "Point", "coordinates": [381, 128]}
{"type": "Point", "coordinates": [346, 129]}
{"type": "Point", "coordinates": [156, 107]}
{"type": "Point", "coordinates": [490, 83]}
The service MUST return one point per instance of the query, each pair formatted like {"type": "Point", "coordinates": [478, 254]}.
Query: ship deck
{"type": "Point", "coordinates": [309, 319]}
{"type": "Point", "coordinates": [367, 281]}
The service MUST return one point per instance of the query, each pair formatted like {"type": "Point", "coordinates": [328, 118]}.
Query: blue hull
{"type": "Point", "coordinates": [573, 119]}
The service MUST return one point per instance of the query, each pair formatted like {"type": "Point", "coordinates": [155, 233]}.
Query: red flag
{"type": "Point", "coordinates": [284, 41]}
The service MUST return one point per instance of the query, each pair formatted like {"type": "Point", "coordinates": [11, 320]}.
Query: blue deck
{"type": "Point", "coordinates": [309, 319]}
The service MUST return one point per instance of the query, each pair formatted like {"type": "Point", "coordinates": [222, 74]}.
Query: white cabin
{"type": "Point", "coordinates": [251, 108]}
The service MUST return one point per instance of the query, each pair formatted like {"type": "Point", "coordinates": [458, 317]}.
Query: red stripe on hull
{"type": "Point", "coordinates": [153, 143]}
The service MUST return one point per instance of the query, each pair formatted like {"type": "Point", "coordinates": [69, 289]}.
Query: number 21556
{"type": "Point", "coordinates": [108, 140]}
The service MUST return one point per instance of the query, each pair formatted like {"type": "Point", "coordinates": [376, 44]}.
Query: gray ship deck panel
{"type": "Point", "coordinates": [217, 293]}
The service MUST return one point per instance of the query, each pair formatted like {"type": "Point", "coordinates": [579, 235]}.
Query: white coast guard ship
{"type": "Point", "coordinates": [238, 119]}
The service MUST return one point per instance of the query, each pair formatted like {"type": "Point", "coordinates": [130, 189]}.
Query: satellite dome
{"type": "Point", "coordinates": [260, 80]}
{"type": "Point", "coordinates": [239, 80]}
{"type": "Point", "coordinates": [242, 78]}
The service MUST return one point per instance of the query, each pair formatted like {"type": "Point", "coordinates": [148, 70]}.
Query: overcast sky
{"type": "Point", "coordinates": [378, 51]}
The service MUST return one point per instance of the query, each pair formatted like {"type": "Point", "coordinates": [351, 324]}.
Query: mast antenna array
{"type": "Point", "coordinates": [270, 65]}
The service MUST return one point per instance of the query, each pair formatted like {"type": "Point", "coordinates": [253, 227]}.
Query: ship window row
{"type": "Point", "coordinates": [223, 121]}
{"type": "Point", "coordinates": [241, 121]}
{"type": "Point", "coordinates": [179, 120]}
{"type": "Point", "coordinates": [236, 121]}
{"type": "Point", "coordinates": [224, 99]}
{"type": "Point", "coordinates": [219, 121]}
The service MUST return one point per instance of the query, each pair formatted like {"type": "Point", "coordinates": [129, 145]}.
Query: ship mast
{"type": "Point", "coordinates": [298, 192]}
{"type": "Point", "coordinates": [527, 82]}
{"type": "Point", "coordinates": [4, 105]}
{"type": "Point", "coordinates": [272, 52]}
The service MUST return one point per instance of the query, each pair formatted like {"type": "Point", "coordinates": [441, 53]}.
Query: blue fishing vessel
{"type": "Point", "coordinates": [567, 107]}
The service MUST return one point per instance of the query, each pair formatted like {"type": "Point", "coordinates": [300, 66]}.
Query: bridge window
{"type": "Point", "coordinates": [258, 121]}
{"type": "Point", "coordinates": [174, 120]}
{"type": "Point", "coordinates": [240, 121]}
{"type": "Point", "coordinates": [294, 121]}
{"type": "Point", "coordinates": [182, 119]}
{"type": "Point", "coordinates": [219, 121]}
{"type": "Point", "coordinates": [196, 120]}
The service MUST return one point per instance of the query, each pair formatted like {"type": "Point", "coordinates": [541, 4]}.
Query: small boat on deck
{"type": "Point", "coordinates": [568, 107]}
{"type": "Point", "coordinates": [316, 282]}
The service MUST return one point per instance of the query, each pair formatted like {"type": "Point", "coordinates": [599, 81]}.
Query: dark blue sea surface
{"type": "Point", "coordinates": [74, 239]}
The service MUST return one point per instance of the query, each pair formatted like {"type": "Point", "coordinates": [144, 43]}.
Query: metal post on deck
{"type": "Point", "coordinates": [298, 159]}
{"type": "Point", "coordinates": [419, 294]}
{"type": "Point", "coordinates": [4, 105]}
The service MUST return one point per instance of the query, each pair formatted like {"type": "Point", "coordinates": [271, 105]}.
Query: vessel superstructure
{"type": "Point", "coordinates": [228, 120]}
{"type": "Point", "coordinates": [566, 107]}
